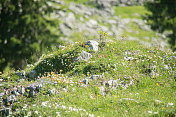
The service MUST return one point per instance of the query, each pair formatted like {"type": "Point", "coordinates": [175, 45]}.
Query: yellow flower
{"type": "Point", "coordinates": [98, 95]}
{"type": "Point", "coordinates": [8, 103]}
{"type": "Point", "coordinates": [28, 90]}
{"type": "Point", "coordinates": [157, 84]}
{"type": "Point", "coordinates": [99, 32]}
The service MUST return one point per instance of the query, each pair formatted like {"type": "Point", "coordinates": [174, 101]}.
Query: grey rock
{"type": "Point", "coordinates": [33, 74]}
{"type": "Point", "coordinates": [86, 81]}
{"type": "Point", "coordinates": [11, 98]}
{"type": "Point", "coordinates": [20, 73]}
{"type": "Point", "coordinates": [61, 13]}
{"type": "Point", "coordinates": [52, 91]}
{"type": "Point", "coordinates": [95, 77]}
{"type": "Point", "coordinates": [65, 30]}
{"type": "Point", "coordinates": [84, 56]}
{"type": "Point", "coordinates": [112, 83]}
{"type": "Point", "coordinates": [93, 45]}
{"type": "Point", "coordinates": [102, 90]}
{"type": "Point", "coordinates": [102, 4]}
{"type": "Point", "coordinates": [21, 80]}
{"type": "Point", "coordinates": [92, 23]}
{"type": "Point", "coordinates": [69, 21]}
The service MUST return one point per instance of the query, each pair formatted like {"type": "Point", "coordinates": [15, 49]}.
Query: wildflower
{"type": "Point", "coordinates": [170, 104]}
{"type": "Point", "coordinates": [36, 112]}
{"type": "Point", "coordinates": [150, 112]}
{"type": "Point", "coordinates": [8, 103]}
{"type": "Point", "coordinates": [88, 74]}
{"type": "Point", "coordinates": [157, 84]}
{"type": "Point", "coordinates": [58, 114]}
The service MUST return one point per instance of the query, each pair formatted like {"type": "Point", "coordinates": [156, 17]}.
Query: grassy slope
{"type": "Point", "coordinates": [145, 92]}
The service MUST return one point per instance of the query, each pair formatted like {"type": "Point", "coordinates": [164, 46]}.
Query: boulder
{"type": "Point", "coordinates": [84, 56]}
{"type": "Point", "coordinates": [102, 4]}
{"type": "Point", "coordinates": [65, 30]}
{"type": "Point", "coordinates": [92, 23]}
{"type": "Point", "coordinates": [93, 45]}
{"type": "Point", "coordinates": [69, 21]}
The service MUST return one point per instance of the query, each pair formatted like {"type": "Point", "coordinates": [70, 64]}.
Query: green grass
{"type": "Point", "coordinates": [131, 11]}
{"type": "Point", "coordinates": [140, 33]}
{"type": "Point", "coordinates": [150, 95]}
{"type": "Point", "coordinates": [137, 100]}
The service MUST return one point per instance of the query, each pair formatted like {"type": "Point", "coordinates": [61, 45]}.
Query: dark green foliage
{"type": "Point", "coordinates": [163, 17]}
{"type": "Point", "coordinates": [25, 31]}
{"type": "Point", "coordinates": [61, 63]}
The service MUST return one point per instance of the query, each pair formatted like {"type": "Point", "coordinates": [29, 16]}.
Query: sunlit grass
{"type": "Point", "coordinates": [131, 11]}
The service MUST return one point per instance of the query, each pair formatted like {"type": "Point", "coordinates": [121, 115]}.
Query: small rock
{"type": "Point", "coordinates": [84, 56]}
{"type": "Point", "coordinates": [112, 83]}
{"type": "Point", "coordinates": [9, 100]}
{"type": "Point", "coordinates": [33, 74]}
{"type": "Point", "coordinates": [93, 45]}
{"type": "Point", "coordinates": [92, 23]}
{"type": "Point", "coordinates": [22, 73]}
{"type": "Point", "coordinates": [85, 81]}
{"type": "Point", "coordinates": [52, 91]}
{"type": "Point", "coordinates": [95, 77]}
{"type": "Point", "coordinates": [102, 90]}
{"type": "Point", "coordinates": [20, 80]}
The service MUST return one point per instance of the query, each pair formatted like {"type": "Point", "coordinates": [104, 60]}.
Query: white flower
{"type": "Point", "coordinates": [155, 112]}
{"type": "Point", "coordinates": [70, 108]}
{"type": "Point", "coordinates": [158, 101]}
{"type": "Point", "coordinates": [44, 103]}
{"type": "Point", "coordinates": [36, 112]}
{"type": "Point", "coordinates": [58, 114]}
{"type": "Point", "coordinates": [150, 112]}
{"type": "Point", "coordinates": [63, 106]}
{"type": "Point", "coordinates": [170, 104]}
